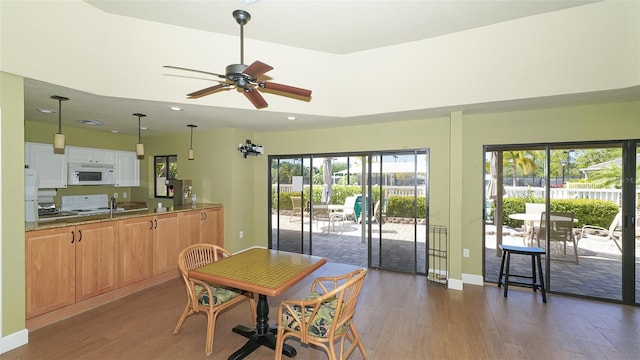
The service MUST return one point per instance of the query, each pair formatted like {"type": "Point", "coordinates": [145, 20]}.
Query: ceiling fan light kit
{"type": "Point", "coordinates": [58, 138]}
{"type": "Point", "coordinates": [245, 78]}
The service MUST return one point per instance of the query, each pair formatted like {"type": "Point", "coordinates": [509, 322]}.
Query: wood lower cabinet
{"type": "Point", "coordinates": [69, 264]}
{"type": "Point", "coordinates": [165, 243]}
{"type": "Point", "coordinates": [135, 250]}
{"type": "Point", "coordinates": [189, 228]}
{"type": "Point", "coordinates": [96, 259]}
{"type": "Point", "coordinates": [212, 226]}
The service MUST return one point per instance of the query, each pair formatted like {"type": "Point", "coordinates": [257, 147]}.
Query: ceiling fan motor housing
{"type": "Point", "coordinates": [235, 73]}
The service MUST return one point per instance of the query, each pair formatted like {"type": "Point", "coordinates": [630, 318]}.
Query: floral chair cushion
{"type": "Point", "coordinates": [318, 326]}
{"type": "Point", "coordinates": [220, 294]}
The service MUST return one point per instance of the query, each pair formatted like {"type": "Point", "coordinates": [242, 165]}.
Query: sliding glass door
{"type": "Point", "coordinates": [571, 200]}
{"type": "Point", "coordinates": [366, 209]}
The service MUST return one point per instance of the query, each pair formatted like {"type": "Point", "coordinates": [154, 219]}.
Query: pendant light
{"type": "Point", "coordinates": [190, 157]}
{"type": "Point", "coordinates": [58, 138]}
{"type": "Point", "coordinates": [139, 145]}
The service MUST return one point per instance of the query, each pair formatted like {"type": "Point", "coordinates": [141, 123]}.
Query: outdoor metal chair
{"type": "Point", "coordinates": [296, 207]}
{"type": "Point", "coordinates": [560, 231]}
{"type": "Point", "coordinates": [613, 232]}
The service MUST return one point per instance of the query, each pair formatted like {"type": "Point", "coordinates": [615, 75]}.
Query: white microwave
{"type": "Point", "coordinates": [91, 174]}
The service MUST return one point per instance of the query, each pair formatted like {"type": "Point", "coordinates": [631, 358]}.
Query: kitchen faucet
{"type": "Point", "coordinates": [112, 206]}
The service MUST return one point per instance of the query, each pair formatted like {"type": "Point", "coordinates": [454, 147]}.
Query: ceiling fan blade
{"type": "Point", "coordinates": [257, 69]}
{"type": "Point", "coordinates": [198, 71]}
{"type": "Point", "coordinates": [256, 99]}
{"type": "Point", "coordinates": [285, 89]}
{"type": "Point", "coordinates": [207, 91]}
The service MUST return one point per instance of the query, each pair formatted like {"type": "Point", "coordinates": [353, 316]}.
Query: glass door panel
{"type": "Point", "coordinates": [636, 241]}
{"type": "Point", "coordinates": [397, 211]}
{"type": "Point", "coordinates": [515, 197]}
{"type": "Point", "coordinates": [586, 260]}
{"type": "Point", "coordinates": [289, 215]}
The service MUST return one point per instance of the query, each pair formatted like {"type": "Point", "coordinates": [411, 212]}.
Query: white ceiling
{"type": "Point", "coordinates": [338, 27]}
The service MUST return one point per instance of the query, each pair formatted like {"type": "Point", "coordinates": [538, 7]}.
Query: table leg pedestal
{"type": "Point", "coordinates": [262, 335]}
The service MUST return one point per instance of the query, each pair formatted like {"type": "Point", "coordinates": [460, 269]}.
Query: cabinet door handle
{"type": "Point", "coordinates": [73, 237]}
{"type": "Point", "coordinates": [151, 221]}
{"type": "Point", "coordinates": [80, 239]}
{"type": "Point", "coordinates": [201, 216]}
{"type": "Point", "coordinates": [156, 223]}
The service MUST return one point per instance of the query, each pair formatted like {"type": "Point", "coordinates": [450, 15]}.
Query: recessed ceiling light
{"type": "Point", "coordinates": [291, 118]}
{"type": "Point", "coordinates": [144, 128]}
{"type": "Point", "coordinates": [46, 111]}
{"type": "Point", "coordinates": [115, 131]}
{"type": "Point", "coordinates": [175, 108]}
{"type": "Point", "coordinates": [92, 122]}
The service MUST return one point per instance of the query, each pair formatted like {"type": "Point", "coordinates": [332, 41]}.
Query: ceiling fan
{"type": "Point", "coordinates": [243, 77]}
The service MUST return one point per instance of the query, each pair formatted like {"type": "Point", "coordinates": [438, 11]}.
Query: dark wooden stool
{"type": "Point", "coordinates": [535, 253]}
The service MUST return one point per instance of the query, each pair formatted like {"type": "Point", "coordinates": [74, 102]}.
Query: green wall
{"type": "Point", "coordinates": [13, 260]}
{"type": "Point", "coordinates": [221, 175]}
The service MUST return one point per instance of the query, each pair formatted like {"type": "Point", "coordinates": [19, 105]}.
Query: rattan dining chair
{"type": "Point", "coordinates": [327, 318]}
{"type": "Point", "coordinates": [206, 298]}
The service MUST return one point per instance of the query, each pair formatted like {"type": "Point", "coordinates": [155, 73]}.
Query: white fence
{"type": "Point", "coordinates": [515, 192]}
{"type": "Point", "coordinates": [388, 190]}
{"type": "Point", "coordinates": [564, 193]}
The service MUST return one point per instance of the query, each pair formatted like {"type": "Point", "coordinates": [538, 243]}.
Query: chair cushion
{"type": "Point", "coordinates": [220, 294]}
{"type": "Point", "coordinates": [318, 326]}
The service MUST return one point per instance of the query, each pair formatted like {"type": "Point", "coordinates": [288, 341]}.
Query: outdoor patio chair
{"type": "Point", "coordinates": [378, 213]}
{"type": "Point", "coordinates": [206, 298]}
{"type": "Point", "coordinates": [324, 316]}
{"type": "Point", "coordinates": [613, 232]}
{"type": "Point", "coordinates": [531, 228]}
{"type": "Point", "coordinates": [348, 211]}
{"type": "Point", "coordinates": [296, 207]}
{"type": "Point", "coordinates": [321, 213]}
{"type": "Point", "coordinates": [560, 230]}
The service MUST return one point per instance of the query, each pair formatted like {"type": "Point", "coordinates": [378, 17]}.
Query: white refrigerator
{"type": "Point", "coordinates": [31, 195]}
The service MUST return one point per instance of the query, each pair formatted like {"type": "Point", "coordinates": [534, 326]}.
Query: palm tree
{"type": "Point", "coordinates": [522, 159]}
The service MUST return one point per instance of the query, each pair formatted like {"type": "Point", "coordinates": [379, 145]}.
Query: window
{"type": "Point", "coordinates": [166, 168]}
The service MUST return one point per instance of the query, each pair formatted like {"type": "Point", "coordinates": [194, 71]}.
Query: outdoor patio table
{"type": "Point", "coordinates": [533, 220]}
{"type": "Point", "coordinates": [267, 273]}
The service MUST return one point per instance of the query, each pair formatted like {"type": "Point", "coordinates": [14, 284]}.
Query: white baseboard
{"type": "Point", "coordinates": [473, 279]}
{"type": "Point", "coordinates": [455, 284]}
{"type": "Point", "coordinates": [14, 340]}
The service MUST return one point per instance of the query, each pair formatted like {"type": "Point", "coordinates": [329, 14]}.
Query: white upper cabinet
{"type": "Point", "coordinates": [52, 167]}
{"type": "Point", "coordinates": [127, 169]}
{"type": "Point", "coordinates": [90, 156]}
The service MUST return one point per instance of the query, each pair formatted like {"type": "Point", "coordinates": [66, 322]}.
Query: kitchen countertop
{"type": "Point", "coordinates": [127, 214]}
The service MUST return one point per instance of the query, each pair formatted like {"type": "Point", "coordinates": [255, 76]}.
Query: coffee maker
{"type": "Point", "coordinates": [180, 190]}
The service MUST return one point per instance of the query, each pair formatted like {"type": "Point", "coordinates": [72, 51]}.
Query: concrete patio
{"type": "Point", "coordinates": [598, 274]}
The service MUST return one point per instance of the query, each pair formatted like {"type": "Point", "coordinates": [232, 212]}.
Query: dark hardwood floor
{"type": "Point", "coordinates": [399, 317]}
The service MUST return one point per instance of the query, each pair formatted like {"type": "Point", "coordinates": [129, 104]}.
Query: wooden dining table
{"type": "Point", "coordinates": [266, 273]}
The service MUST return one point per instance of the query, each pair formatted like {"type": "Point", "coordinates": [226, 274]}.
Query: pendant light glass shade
{"type": "Point", "coordinates": [139, 145]}
{"type": "Point", "coordinates": [58, 141]}
{"type": "Point", "coordinates": [190, 155]}
{"type": "Point", "coordinates": [58, 138]}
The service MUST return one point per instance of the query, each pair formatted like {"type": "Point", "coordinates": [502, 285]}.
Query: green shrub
{"type": "Point", "coordinates": [402, 206]}
{"type": "Point", "coordinates": [592, 212]}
